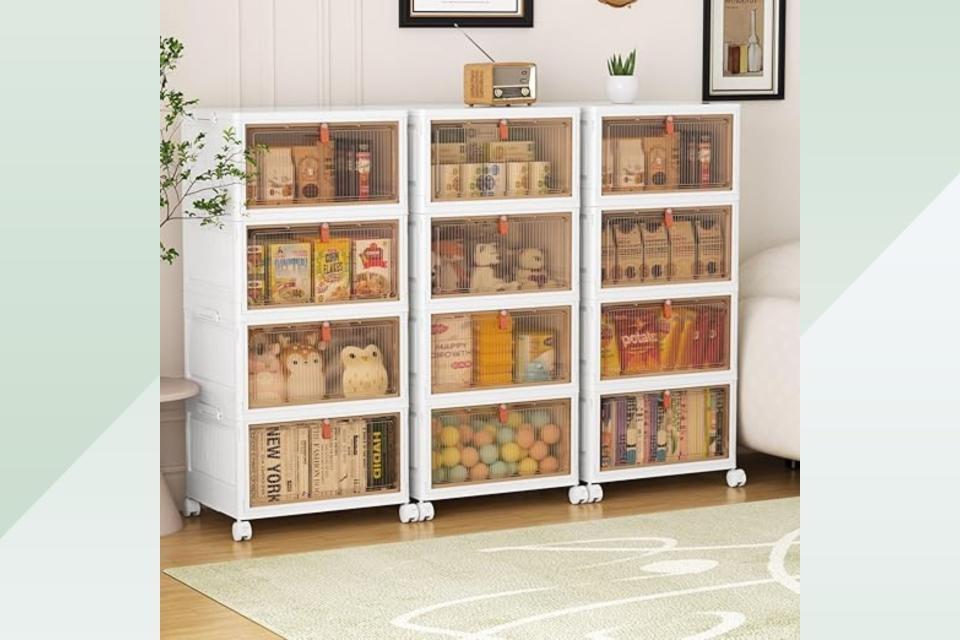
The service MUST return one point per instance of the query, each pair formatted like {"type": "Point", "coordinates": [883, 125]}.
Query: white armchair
{"type": "Point", "coordinates": [769, 377]}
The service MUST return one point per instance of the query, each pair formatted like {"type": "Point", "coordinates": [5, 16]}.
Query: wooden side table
{"type": "Point", "coordinates": [172, 390]}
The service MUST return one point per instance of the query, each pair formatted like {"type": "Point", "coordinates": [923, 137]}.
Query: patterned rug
{"type": "Point", "coordinates": [719, 572]}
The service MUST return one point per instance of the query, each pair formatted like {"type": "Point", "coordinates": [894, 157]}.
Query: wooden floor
{"type": "Point", "coordinates": [185, 613]}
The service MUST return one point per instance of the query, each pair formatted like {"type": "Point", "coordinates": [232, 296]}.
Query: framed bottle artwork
{"type": "Point", "coordinates": [466, 13]}
{"type": "Point", "coordinates": [743, 49]}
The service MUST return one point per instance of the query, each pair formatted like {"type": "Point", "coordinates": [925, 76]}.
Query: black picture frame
{"type": "Point", "coordinates": [466, 19]}
{"type": "Point", "coordinates": [780, 68]}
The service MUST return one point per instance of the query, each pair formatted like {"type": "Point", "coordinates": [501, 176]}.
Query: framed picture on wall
{"type": "Point", "coordinates": [743, 49]}
{"type": "Point", "coordinates": [466, 13]}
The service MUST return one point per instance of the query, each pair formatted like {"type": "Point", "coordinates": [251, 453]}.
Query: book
{"type": "Point", "coordinates": [381, 460]}
{"type": "Point", "coordinates": [279, 464]}
{"type": "Point", "coordinates": [606, 434]}
{"type": "Point", "coordinates": [289, 272]}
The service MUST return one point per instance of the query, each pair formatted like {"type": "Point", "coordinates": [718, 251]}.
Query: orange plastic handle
{"type": "Point", "coordinates": [667, 309]}
{"type": "Point", "coordinates": [326, 430]}
{"type": "Point", "coordinates": [503, 414]}
{"type": "Point", "coordinates": [324, 134]}
{"type": "Point", "coordinates": [666, 399]}
{"type": "Point", "coordinates": [504, 321]}
{"type": "Point", "coordinates": [325, 232]}
{"type": "Point", "coordinates": [668, 218]}
{"type": "Point", "coordinates": [669, 125]}
{"type": "Point", "coordinates": [502, 225]}
{"type": "Point", "coordinates": [503, 129]}
{"type": "Point", "coordinates": [325, 332]}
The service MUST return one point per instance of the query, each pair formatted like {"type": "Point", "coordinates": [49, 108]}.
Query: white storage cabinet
{"type": "Point", "coordinates": [494, 322]}
{"type": "Point", "coordinates": [659, 292]}
{"type": "Point", "coordinates": [296, 322]}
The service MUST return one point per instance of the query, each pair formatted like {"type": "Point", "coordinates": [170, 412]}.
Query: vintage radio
{"type": "Point", "coordinates": [500, 83]}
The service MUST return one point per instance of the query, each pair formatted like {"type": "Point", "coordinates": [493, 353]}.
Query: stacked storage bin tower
{"type": "Point", "coordinates": [296, 319]}
{"type": "Point", "coordinates": [494, 290]}
{"type": "Point", "coordinates": [659, 292]}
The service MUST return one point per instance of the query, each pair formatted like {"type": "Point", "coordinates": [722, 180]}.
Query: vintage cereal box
{"type": "Point", "coordinates": [289, 271]}
{"type": "Point", "coordinates": [373, 268]}
{"type": "Point", "coordinates": [331, 270]}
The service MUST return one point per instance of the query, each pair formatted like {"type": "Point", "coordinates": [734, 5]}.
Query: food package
{"type": "Point", "coordinates": [492, 350]}
{"type": "Point", "coordinates": [629, 241]}
{"type": "Point", "coordinates": [314, 166]}
{"type": "Point", "coordinates": [609, 348]}
{"type": "Point", "coordinates": [279, 464]}
{"type": "Point", "coordinates": [256, 275]}
{"type": "Point", "coordinates": [452, 352]}
{"type": "Point", "coordinates": [518, 179]}
{"type": "Point", "coordinates": [683, 249]}
{"type": "Point", "coordinates": [656, 250]}
{"type": "Point", "coordinates": [276, 170]}
{"type": "Point", "coordinates": [514, 151]}
{"type": "Point", "coordinates": [536, 359]}
{"type": "Point", "coordinates": [363, 162]}
{"type": "Point", "coordinates": [639, 339]}
{"type": "Point", "coordinates": [711, 262]}
{"type": "Point", "coordinates": [540, 178]}
{"type": "Point", "coordinates": [447, 178]}
{"type": "Point", "coordinates": [290, 272]}
{"type": "Point", "coordinates": [449, 153]}
{"type": "Point", "coordinates": [630, 164]}
{"type": "Point", "coordinates": [661, 155]}
{"type": "Point", "coordinates": [372, 268]}
{"type": "Point", "coordinates": [331, 270]}
{"type": "Point", "coordinates": [670, 332]}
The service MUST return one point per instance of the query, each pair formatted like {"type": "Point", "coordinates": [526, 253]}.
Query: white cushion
{"type": "Point", "coordinates": [769, 407]}
{"type": "Point", "coordinates": [774, 272]}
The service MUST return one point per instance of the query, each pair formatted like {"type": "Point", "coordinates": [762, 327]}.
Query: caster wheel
{"type": "Point", "coordinates": [736, 478]}
{"type": "Point", "coordinates": [594, 493]}
{"type": "Point", "coordinates": [578, 494]}
{"type": "Point", "coordinates": [409, 513]}
{"type": "Point", "coordinates": [241, 530]}
{"type": "Point", "coordinates": [425, 511]}
{"type": "Point", "coordinates": [191, 507]}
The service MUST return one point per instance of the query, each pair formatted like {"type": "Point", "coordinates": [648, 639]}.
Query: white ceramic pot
{"type": "Point", "coordinates": [622, 89]}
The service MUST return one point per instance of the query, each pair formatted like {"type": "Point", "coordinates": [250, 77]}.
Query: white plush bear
{"type": "Point", "coordinates": [531, 271]}
{"type": "Point", "coordinates": [482, 278]}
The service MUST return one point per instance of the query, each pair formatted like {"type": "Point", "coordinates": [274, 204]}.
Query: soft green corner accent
{"type": "Point", "coordinates": [881, 89]}
{"type": "Point", "coordinates": [79, 302]}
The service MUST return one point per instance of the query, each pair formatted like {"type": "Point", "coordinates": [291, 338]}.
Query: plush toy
{"type": "Point", "coordinates": [266, 376]}
{"type": "Point", "coordinates": [482, 278]}
{"type": "Point", "coordinates": [531, 270]}
{"type": "Point", "coordinates": [447, 266]}
{"type": "Point", "coordinates": [303, 366]}
{"type": "Point", "coordinates": [364, 374]}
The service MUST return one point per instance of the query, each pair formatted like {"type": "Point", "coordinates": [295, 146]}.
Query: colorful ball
{"type": "Point", "coordinates": [539, 450]}
{"type": "Point", "coordinates": [528, 467]}
{"type": "Point", "coordinates": [479, 471]}
{"type": "Point", "coordinates": [469, 456]}
{"type": "Point", "coordinates": [514, 418]}
{"type": "Point", "coordinates": [481, 438]}
{"type": "Point", "coordinates": [539, 417]}
{"type": "Point", "coordinates": [449, 420]}
{"type": "Point", "coordinates": [457, 474]}
{"type": "Point", "coordinates": [450, 457]}
{"type": "Point", "coordinates": [439, 475]}
{"type": "Point", "coordinates": [525, 436]}
{"type": "Point", "coordinates": [435, 460]}
{"type": "Point", "coordinates": [492, 429]}
{"type": "Point", "coordinates": [477, 423]}
{"type": "Point", "coordinates": [506, 434]}
{"type": "Point", "coordinates": [510, 452]}
{"type": "Point", "coordinates": [511, 468]}
{"type": "Point", "coordinates": [489, 453]}
{"type": "Point", "coordinates": [550, 433]}
{"type": "Point", "coordinates": [499, 469]}
{"type": "Point", "coordinates": [450, 436]}
{"type": "Point", "coordinates": [549, 465]}
{"type": "Point", "coordinates": [466, 434]}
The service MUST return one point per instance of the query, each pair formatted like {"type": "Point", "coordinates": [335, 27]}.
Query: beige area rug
{"type": "Point", "coordinates": [719, 572]}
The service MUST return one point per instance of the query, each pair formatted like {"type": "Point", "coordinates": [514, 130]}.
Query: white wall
{"type": "Point", "coordinates": [344, 52]}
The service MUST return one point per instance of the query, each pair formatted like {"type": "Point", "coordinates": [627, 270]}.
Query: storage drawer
{"type": "Point", "coordinates": [491, 159]}
{"type": "Point", "coordinates": [492, 443]}
{"type": "Point", "coordinates": [328, 263]}
{"type": "Point", "coordinates": [668, 153]}
{"type": "Point", "coordinates": [663, 427]}
{"type": "Point", "coordinates": [323, 163]}
{"type": "Point", "coordinates": [318, 362]}
{"type": "Point", "coordinates": [323, 459]}
{"type": "Point", "coordinates": [500, 348]}
{"type": "Point", "coordinates": [664, 336]}
{"type": "Point", "coordinates": [654, 246]}
{"type": "Point", "coordinates": [501, 254]}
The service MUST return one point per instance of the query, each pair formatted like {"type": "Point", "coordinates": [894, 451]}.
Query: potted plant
{"type": "Point", "coordinates": [622, 85]}
{"type": "Point", "coordinates": [186, 194]}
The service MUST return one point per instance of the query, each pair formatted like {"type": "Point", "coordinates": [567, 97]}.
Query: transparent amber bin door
{"type": "Point", "coordinates": [309, 363]}
{"type": "Point", "coordinates": [667, 153]}
{"type": "Point", "coordinates": [500, 442]}
{"type": "Point", "coordinates": [649, 338]}
{"type": "Point", "coordinates": [501, 254]}
{"type": "Point", "coordinates": [323, 163]}
{"type": "Point", "coordinates": [663, 427]}
{"type": "Point", "coordinates": [490, 159]}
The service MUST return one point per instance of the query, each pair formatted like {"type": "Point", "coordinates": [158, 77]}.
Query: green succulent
{"type": "Point", "coordinates": [618, 66]}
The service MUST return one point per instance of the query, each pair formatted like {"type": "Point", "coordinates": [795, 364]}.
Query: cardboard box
{"type": "Point", "coordinates": [381, 462]}
{"type": "Point", "coordinates": [256, 275]}
{"type": "Point", "coordinates": [518, 179]}
{"type": "Point", "coordinates": [662, 158]}
{"type": "Point", "coordinates": [472, 176]}
{"type": "Point", "coordinates": [514, 151]}
{"type": "Point", "coordinates": [447, 181]}
{"type": "Point", "coordinates": [656, 250]}
{"type": "Point", "coordinates": [541, 178]}
{"type": "Point", "coordinates": [331, 269]}
{"type": "Point", "coordinates": [290, 272]}
{"type": "Point", "coordinates": [629, 241]}
{"type": "Point", "coordinates": [711, 254]}
{"type": "Point", "coordinates": [276, 170]}
{"type": "Point", "coordinates": [476, 137]}
{"type": "Point", "coordinates": [494, 180]}
{"type": "Point", "coordinates": [683, 250]}
{"type": "Point", "coordinates": [452, 349]}
{"type": "Point", "coordinates": [373, 268]}
{"type": "Point", "coordinates": [279, 464]}
{"type": "Point", "coordinates": [449, 153]}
